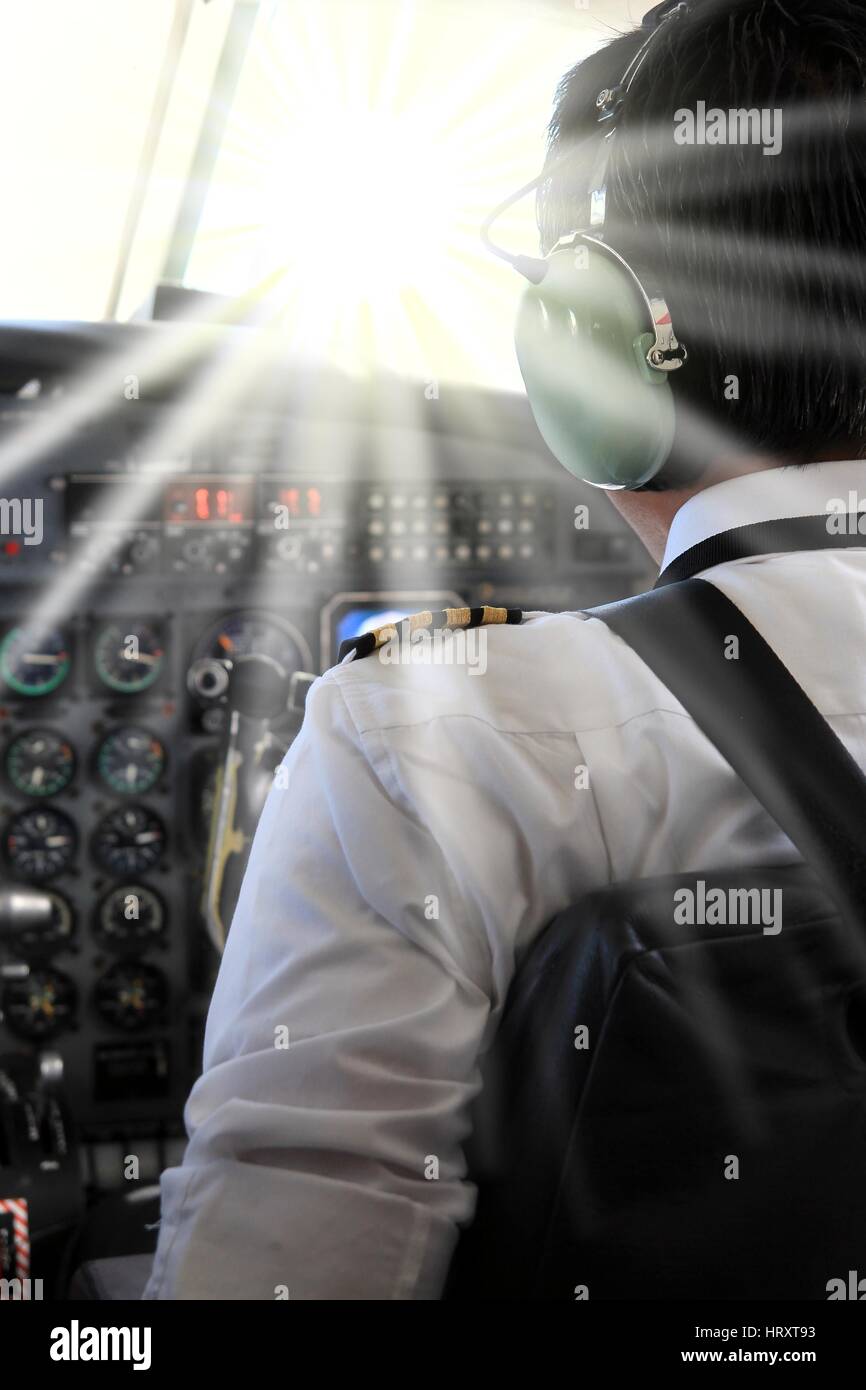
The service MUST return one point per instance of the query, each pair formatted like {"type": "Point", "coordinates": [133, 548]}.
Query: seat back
{"type": "Point", "coordinates": [675, 1110]}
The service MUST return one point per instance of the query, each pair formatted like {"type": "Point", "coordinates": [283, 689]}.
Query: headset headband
{"type": "Point", "coordinates": [610, 101]}
{"type": "Point", "coordinates": [609, 104]}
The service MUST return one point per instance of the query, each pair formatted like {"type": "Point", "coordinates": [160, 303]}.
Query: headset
{"type": "Point", "coordinates": [595, 347]}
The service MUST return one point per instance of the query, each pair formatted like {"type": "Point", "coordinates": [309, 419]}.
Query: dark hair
{"type": "Point", "coordinates": [760, 257]}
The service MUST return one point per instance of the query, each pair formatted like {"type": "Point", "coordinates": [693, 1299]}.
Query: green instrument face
{"type": "Point", "coordinates": [131, 761]}
{"type": "Point", "coordinates": [34, 661]}
{"type": "Point", "coordinates": [40, 762]}
{"type": "Point", "coordinates": [582, 336]}
{"type": "Point", "coordinates": [128, 657]}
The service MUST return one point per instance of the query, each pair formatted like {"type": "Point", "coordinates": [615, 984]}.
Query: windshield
{"type": "Point", "coordinates": [341, 152]}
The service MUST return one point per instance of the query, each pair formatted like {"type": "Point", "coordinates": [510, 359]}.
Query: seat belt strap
{"type": "Point", "coordinates": [760, 720]}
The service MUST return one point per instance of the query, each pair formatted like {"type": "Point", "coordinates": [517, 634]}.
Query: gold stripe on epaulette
{"type": "Point", "coordinates": [446, 619]}
{"type": "Point", "coordinates": [423, 619]}
{"type": "Point", "coordinates": [392, 631]}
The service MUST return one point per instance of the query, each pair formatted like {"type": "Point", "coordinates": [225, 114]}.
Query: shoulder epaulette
{"type": "Point", "coordinates": [444, 619]}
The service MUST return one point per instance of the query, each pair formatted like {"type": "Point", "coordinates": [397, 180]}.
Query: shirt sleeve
{"type": "Point", "coordinates": [325, 1156]}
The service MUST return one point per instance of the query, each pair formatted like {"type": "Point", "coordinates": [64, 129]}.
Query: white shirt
{"type": "Point", "coordinates": [430, 828]}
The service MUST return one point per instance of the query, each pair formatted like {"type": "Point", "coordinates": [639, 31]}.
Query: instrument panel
{"type": "Point", "coordinates": [108, 744]}
{"type": "Point", "coordinates": [278, 535]}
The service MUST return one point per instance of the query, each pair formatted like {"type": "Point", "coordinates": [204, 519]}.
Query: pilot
{"type": "Point", "coordinates": [435, 814]}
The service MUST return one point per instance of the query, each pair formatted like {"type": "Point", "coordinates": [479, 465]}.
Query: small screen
{"type": "Point", "coordinates": [97, 500]}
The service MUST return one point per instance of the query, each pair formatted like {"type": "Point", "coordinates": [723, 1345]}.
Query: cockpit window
{"type": "Point", "coordinates": [331, 161]}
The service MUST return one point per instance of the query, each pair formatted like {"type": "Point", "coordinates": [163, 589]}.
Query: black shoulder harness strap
{"type": "Point", "coordinates": [760, 720]}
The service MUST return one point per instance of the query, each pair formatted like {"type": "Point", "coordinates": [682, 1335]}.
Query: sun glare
{"type": "Point", "coordinates": [366, 144]}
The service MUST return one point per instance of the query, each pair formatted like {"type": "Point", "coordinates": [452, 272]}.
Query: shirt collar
{"type": "Point", "coordinates": [770, 495]}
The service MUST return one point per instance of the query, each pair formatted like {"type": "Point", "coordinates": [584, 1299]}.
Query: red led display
{"type": "Point", "coordinates": [214, 501]}
{"type": "Point", "coordinates": [301, 502]}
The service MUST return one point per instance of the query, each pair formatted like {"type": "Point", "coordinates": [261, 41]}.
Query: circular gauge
{"type": "Point", "coordinates": [53, 935]}
{"type": "Point", "coordinates": [40, 762]}
{"type": "Point", "coordinates": [132, 995]}
{"type": "Point", "coordinates": [129, 840]}
{"type": "Point", "coordinates": [40, 1004]}
{"type": "Point", "coordinates": [131, 915]}
{"type": "Point", "coordinates": [130, 761]}
{"type": "Point", "coordinates": [255, 634]}
{"type": "Point", "coordinates": [128, 656]}
{"type": "Point", "coordinates": [34, 661]}
{"type": "Point", "coordinates": [40, 843]}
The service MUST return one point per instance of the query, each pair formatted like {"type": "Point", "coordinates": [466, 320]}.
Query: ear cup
{"type": "Point", "coordinates": [582, 335]}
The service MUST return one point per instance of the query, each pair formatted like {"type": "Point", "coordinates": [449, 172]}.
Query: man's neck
{"type": "Point", "coordinates": [650, 514]}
